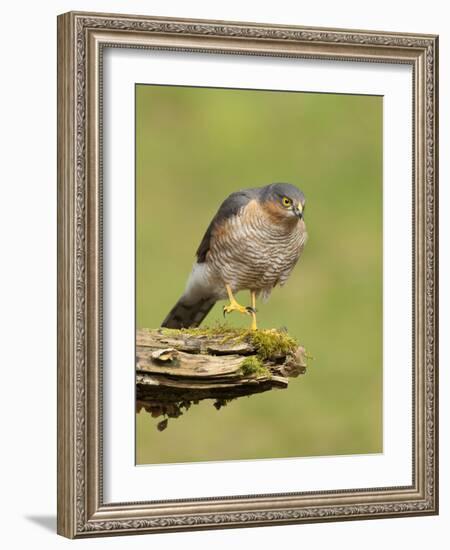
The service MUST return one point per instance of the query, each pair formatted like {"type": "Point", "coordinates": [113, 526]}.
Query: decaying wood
{"type": "Point", "coordinates": [175, 369]}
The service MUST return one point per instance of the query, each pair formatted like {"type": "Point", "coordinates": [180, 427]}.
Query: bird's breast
{"type": "Point", "coordinates": [250, 251]}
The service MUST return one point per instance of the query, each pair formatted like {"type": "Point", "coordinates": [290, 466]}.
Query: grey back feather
{"type": "Point", "coordinates": [230, 207]}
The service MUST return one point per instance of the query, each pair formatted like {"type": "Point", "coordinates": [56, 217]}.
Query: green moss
{"type": "Point", "coordinates": [268, 343]}
{"type": "Point", "coordinates": [252, 366]}
{"type": "Point", "coordinates": [271, 343]}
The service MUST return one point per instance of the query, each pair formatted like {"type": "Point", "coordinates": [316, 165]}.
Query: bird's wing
{"type": "Point", "coordinates": [230, 207]}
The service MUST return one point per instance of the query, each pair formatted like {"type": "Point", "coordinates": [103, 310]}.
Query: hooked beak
{"type": "Point", "coordinates": [298, 210]}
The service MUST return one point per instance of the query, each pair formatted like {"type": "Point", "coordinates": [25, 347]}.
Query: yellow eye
{"type": "Point", "coordinates": [286, 201]}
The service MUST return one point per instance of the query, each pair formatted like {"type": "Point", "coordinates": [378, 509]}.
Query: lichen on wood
{"type": "Point", "coordinates": [178, 368]}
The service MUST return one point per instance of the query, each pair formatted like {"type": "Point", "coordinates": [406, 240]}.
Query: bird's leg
{"type": "Point", "coordinates": [234, 305]}
{"type": "Point", "coordinates": [253, 310]}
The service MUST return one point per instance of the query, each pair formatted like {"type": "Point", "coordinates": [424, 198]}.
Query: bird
{"type": "Point", "coordinates": [253, 243]}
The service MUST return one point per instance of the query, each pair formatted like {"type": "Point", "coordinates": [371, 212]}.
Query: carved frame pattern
{"type": "Point", "coordinates": [81, 37]}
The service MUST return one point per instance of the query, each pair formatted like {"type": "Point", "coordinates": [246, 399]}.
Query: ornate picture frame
{"type": "Point", "coordinates": [82, 38]}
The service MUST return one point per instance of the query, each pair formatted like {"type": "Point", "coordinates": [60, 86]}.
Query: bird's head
{"type": "Point", "coordinates": [283, 201]}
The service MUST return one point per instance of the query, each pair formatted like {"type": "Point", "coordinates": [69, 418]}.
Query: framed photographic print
{"type": "Point", "coordinates": [247, 276]}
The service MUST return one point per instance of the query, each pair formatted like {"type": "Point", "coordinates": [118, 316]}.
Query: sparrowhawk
{"type": "Point", "coordinates": [252, 243]}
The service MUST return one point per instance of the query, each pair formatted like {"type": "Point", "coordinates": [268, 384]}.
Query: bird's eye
{"type": "Point", "coordinates": [286, 201]}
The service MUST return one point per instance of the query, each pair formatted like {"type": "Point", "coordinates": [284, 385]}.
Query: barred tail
{"type": "Point", "coordinates": [186, 313]}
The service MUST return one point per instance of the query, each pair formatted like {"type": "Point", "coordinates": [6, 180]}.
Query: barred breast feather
{"type": "Point", "coordinates": [250, 251]}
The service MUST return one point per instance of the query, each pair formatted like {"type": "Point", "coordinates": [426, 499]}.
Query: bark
{"type": "Point", "coordinates": [175, 369]}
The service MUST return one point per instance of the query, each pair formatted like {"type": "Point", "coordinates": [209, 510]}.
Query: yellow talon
{"type": "Point", "coordinates": [253, 311]}
{"type": "Point", "coordinates": [235, 306]}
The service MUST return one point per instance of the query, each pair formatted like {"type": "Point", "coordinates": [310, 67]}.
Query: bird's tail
{"type": "Point", "coordinates": [187, 313]}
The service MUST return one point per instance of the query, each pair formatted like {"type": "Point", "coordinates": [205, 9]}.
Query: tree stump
{"type": "Point", "coordinates": [178, 368]}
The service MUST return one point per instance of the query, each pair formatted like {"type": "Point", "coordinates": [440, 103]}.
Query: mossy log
{"type": "Point", "coordinates": [176, 368]}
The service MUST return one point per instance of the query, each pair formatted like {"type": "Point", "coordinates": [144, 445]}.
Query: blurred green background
{"type": "Point", "coordinates": [195, 146]}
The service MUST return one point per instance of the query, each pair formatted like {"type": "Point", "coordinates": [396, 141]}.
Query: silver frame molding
{"type": "Point", "coordinates": [81, 39]}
